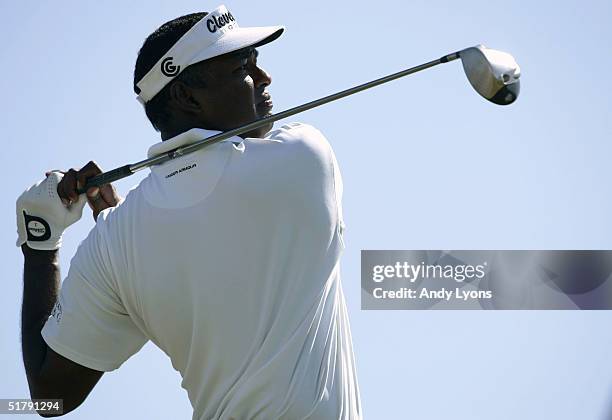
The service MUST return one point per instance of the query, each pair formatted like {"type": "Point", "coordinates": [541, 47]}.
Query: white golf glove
{"type": "Point", "coordinates": [42, 217]}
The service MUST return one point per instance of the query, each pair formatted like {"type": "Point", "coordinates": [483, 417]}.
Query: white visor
{"type": "Point", "coordinates": [215, 34]}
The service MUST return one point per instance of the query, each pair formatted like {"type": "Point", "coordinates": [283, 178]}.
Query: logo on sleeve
{"type": "Point", "coordinates": [168, 68]}
{"type": "Point", "coordinates": [37, 228]}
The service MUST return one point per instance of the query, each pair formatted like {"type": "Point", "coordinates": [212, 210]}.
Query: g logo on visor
{"type": "Point", "coordinates": [168, 69]}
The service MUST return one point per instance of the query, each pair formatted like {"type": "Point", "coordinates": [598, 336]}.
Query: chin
{"type": "Point", "coordinates": [259, 132]}
{"type": "Point", "coordinates": [262, 131]}
{"type": "Point", "coordinates": [266, 129]}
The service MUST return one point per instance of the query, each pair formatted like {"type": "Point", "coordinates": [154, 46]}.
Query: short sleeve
{"type": "Point", "coordinates": [89, 325]}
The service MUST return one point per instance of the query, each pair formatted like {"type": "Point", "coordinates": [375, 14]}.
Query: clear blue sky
{"type": "Point", "coordinates": [427, 164]}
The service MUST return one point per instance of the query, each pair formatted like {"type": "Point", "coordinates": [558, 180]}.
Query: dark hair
{"type": "Point", "coordinates": [155, 46]}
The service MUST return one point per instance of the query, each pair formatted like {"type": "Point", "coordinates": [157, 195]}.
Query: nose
{"type": "Point", "coordinates": [261, 78]}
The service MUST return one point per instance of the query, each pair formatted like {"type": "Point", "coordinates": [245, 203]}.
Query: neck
{"type": "Point", "coordinates": [174, 130]}
{"type": "Point", "coordinates": [179, 125]}
{"type": "Point", "coordinates": [168, 134]}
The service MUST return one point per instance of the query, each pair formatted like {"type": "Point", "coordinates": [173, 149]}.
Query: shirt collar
{"type": "Point", "coordinates": [185, 138]}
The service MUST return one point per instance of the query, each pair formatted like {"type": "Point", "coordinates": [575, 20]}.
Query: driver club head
{"type": "Point", "coordinates": [493, 74]}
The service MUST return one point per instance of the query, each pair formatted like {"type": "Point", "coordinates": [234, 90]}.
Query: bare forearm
{"type": "Point", "coordinates": [41, 279]}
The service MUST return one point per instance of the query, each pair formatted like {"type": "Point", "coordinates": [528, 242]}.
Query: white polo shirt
{"type": "Point", "coordinates": [228, 260]}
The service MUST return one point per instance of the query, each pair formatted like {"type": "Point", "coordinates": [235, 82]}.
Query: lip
{"type": "Point", "coordinates": [265, 102]}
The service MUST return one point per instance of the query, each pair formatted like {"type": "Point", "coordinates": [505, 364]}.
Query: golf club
{"type": "Point", "coordinates": [493, 74]}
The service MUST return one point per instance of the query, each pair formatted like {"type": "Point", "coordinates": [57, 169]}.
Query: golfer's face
{"type": "Point", "coordinates": [236, 91]}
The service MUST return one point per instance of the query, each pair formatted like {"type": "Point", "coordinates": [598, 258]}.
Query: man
{"type": "Point", "coordinates": [226, 258]}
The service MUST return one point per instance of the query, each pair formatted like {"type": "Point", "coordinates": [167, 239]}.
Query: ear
{"type": "Point", "coordinates": [182, 97]}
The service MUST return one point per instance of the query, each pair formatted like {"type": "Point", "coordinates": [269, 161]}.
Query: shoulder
{"type": "Point", "coordinates": [106, 247]}
{"type": "Point", "coordinates": [303, 142]}
{"type": "Point", "coordinates": [109, 216]}
{"type": "Point", "coordinates": [114, 222]}
{"type": "Point", "coordinates": [304, 158]}
{"type": "Point", "coordinates": [125, 205]}
{"type": "Point", "coordinates": [298, 132]}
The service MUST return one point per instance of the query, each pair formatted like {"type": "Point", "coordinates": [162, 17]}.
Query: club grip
{"type": "Point", "coordinates": [107, 178]}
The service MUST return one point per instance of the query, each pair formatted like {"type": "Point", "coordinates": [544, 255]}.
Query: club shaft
{"type": "Point", "coordinates": [127, 170]}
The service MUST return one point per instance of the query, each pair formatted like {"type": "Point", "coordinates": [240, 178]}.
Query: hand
{"type": "Point", "coordinates": [41, 215]}
{"type": "Point", "coordinates": [98, 198]}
